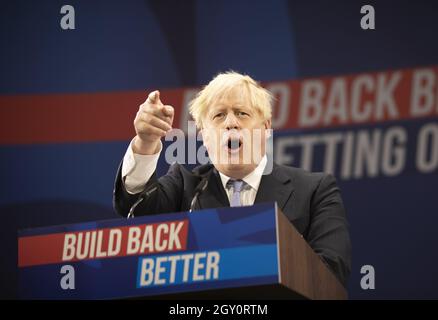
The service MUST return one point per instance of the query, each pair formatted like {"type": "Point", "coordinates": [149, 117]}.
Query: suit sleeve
{"type": "Point", "coordinates": [166, 198]}
{"type": "Point", "coordinates": [328, 233]}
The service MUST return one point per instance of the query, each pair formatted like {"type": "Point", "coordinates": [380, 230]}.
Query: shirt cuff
{"type": "Point", "coordinates": [137, 169]}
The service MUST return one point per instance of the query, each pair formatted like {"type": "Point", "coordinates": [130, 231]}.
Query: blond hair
{"type": "Point", "coordinates": [222, 85]}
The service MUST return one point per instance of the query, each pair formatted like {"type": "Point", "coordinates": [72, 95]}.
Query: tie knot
{"type": "Point", "coordinates": [236, 184]}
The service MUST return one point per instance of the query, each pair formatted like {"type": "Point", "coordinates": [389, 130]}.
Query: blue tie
{"type": "Point", "coordinates": [237, 187]}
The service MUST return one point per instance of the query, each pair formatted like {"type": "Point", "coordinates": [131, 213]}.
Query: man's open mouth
{"type": "Point", "coordinates": [233, 145]}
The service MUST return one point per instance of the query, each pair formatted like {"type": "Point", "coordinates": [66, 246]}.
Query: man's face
{"type": "Point", "coordinates": [234, 134]}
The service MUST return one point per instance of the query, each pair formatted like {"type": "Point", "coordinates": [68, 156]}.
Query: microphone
{"type": "Point", "coordinates": [198, 190]}
{"type": "Point", "coordinates": [145, 194]}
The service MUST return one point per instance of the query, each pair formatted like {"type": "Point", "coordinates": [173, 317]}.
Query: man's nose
{"type": "Point", "coordinates": [232, 122]}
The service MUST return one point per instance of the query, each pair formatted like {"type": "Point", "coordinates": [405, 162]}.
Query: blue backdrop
{"type": "Point", "coordinates": [140, 44]}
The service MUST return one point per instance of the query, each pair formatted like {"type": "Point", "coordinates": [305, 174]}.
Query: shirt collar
{"type": "Point", "coordinates": [253, 179]}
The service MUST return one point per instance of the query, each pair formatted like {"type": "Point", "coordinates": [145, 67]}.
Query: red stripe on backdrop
{"type": "Point", "coordinates": [72, 117]}
{"type": "Point", "coordinates": [324, 102]}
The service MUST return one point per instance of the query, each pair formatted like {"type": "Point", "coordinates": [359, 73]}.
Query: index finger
{"type": "Point", "coordinates": [153, 97]}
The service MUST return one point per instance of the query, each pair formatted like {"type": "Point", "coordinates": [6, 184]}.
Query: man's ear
{"type": "Point", "coordinates": [268, 127]}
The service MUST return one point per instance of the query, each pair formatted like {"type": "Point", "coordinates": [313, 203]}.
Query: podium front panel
{"type": "Point", "coordinates": [150, 255]}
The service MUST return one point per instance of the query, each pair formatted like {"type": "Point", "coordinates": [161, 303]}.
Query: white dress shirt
{"type": "Point", "coordinates": [137, 169]}
{"type": "Point", "coordinates": [252, 180]}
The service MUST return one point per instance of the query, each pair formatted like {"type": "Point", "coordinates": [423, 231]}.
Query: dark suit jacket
{"type": "Point", "coordinates": [311, 201]}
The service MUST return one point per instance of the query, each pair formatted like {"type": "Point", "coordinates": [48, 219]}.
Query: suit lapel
{"type": "Point", "coordinates": [276, 186]}
{"type": "Point", "coordinates": [214, 196]}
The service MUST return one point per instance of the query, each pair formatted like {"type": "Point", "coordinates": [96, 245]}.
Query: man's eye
{"type": "Point", "coordinates": [218, 115]}
{"type": "Point", "coordinates": [241, 113]}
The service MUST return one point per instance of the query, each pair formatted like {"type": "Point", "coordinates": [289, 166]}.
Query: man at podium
{"type": "Point", "coordinates": [233, 114]}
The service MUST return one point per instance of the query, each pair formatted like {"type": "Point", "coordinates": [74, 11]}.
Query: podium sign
{"type": "Point", "coordinates": [152, 255]}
